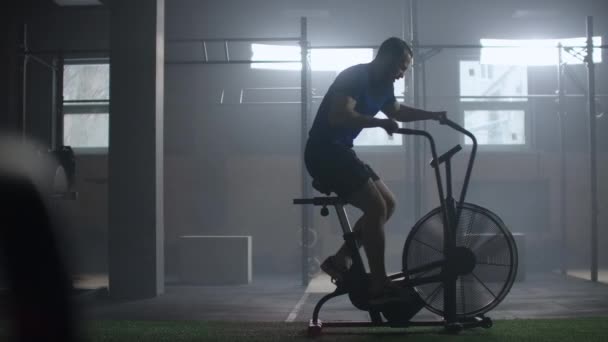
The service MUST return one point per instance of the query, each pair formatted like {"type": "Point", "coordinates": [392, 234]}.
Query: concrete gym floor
{"type": "Point", "coordinates": [282, 298]}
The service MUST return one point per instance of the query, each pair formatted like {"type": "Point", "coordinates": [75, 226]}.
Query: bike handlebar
{"type": "Point", "coordinates": [408, 131]}
{"type": "Point", "coordinates": [445, 121]}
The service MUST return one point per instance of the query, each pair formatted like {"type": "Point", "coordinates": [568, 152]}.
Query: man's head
{"type": "Point", "coordinates": [394, 57]}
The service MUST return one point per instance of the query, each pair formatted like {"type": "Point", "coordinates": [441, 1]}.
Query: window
{"type": "Point", "coordinates": [493, 98]}
{"type": "Point", "coordinates": [493, 90]}
{"type": "Point", "coordinates": [494, 83]}
{"type": "Point", "coordinates": [86, 94]}
{"type": "Point", "coordinates": [378, 137]}
{"type": "Point", "coordinates": [320, 59]}
{"type": "Point", "coordinates": [329, 60]}
{"type": "Point", "coordinates": [495, 127]}
{"type": "Point", "coordinates": [536, 51]}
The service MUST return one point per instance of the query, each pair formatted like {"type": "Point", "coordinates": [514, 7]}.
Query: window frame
{"type": "Point", "coordinates": [496, 105]}
{"type": "Point", "coordinates": [317, 99]}
{"type": "Point", "coordinates": [85, 106]}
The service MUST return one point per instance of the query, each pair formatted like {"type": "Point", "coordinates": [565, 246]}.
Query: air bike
{"type": "Point", "coordinates": [459, 260]}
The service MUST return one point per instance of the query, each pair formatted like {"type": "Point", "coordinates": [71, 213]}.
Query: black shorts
{"type": "Point", "coordinates": [337, 167]}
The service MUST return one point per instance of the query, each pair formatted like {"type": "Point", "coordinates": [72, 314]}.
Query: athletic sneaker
{"type": "Point", "coordinates": [334, 269]}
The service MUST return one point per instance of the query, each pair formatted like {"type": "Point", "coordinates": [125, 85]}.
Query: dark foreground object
{"type": "Point", "coordinates": [38, 282]}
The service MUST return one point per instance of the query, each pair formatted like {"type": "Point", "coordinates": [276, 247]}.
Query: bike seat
{"type": "Point", "coordinates": [322, 188]}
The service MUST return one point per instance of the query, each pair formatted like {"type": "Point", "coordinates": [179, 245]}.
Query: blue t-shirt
{"type": "Point", "coordinates": [355, 82]}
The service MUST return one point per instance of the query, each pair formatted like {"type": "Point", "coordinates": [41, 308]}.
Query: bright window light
{"type": "Point", "coordinates": [331, 60]}
{"type": "Point", "coordinates": [265, 52]}
{"type": "Point", "coordinates": [86, 81]}
{"type": "Point", "coordinates": [86, 130]}
{"type": "Point", "coordinates": [338, 59]}
{"type": "Point", "coordinates": [535, 52]}
{"type": "Point", "coordinates": [320, 59]}
{"type": "Point", "coordinates": [496, 127]}
{"type": "Point", "coordinates": [487, 82]}
{"type": "Point", "coordinates": [377, 136]}
{"type": "Point", "coordinates": [334, 60]}
{"type": "Point", "coordinates": [86, 93]}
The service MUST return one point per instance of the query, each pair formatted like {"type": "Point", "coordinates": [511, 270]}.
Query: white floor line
{"type": "Point", "coordinates": [294, 313]}
{"type": "Point", "coordinates": [320, 283]}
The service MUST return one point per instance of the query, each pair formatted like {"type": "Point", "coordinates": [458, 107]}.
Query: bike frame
{"type": "Point", "coordinates": [450, 215]}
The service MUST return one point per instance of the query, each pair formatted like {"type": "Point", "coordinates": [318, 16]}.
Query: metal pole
{"type": "Point", "coordinates": [403, 16]}
{"type": "Point", "coordinates": [415, 143]}
{"type": "Point", "coordinates": [53, 123]}
{"type": "Point", "coordinates": [305, 98]}
{"type": "Point", "coordinates": [592, 148]}
{"type": "Point", "coordinates": [232, 61]}
{"type": "Point", "coordinates": [422, 144]}
{"type": "Point", "coordinates": [24, 85]}
{"type": "Point", "coordinates": [205, 51]}
{"type": "Point", "coordinates": [235, 40]}
{"type": "Point", "coordinates": [562, 137]}
{"type": "Point", "coordinates": [40, 60]}
{"type": "Point", "coordinates": [226, 54]}
{"type": "Point", "coordinates": [58, 129]}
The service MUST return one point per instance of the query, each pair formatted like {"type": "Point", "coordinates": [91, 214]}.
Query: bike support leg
{"type": "Point", "coordinates": [349, 237]}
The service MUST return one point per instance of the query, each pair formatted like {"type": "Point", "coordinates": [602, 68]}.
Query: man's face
{"type": "Point", "coordinates": [396, 68]}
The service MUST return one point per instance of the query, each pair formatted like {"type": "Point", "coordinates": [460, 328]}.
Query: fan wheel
{"type": "Point", "coordinates": [484, 260]}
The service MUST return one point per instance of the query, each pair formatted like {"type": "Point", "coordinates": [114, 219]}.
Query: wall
{"type": "Point", "coordinates": [342, 23]}
{"type": "Point", "coordinates": [52, 29]}
{"type": "Point", "coordinates": [233, 169]}
{"type": "Point", "coordinates": [534, 172]}
{"type": "Point", "coordinates": [245, 159]}
{"type": "Point", "coordinates": [12, 18]}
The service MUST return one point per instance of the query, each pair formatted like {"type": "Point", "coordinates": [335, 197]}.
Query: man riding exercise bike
{"type": "Point", "coordinates": [356, 96]}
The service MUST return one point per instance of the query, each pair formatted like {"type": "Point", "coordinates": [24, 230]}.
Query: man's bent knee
{"type": "Point", "coordinates": [387, 195]}
{"type": "Point", "coordinates": [369, 199]}
{"type": "Point", "coordinates": [376, 211]}
{"type": "Point", "coordinates": [390, 207]}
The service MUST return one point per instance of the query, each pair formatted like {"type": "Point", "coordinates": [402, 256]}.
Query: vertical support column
{"type": "Point", "coordinates": [416, 144]}
{"type": "Point", "coordinates": [9, 68]}
{"type": "Point", "coordinates": [23, 122]}
{"type": "Point", "coordinates": [592, 147]}
{"type": "Point", "coordinates": [305, 109]}
{"type": "Point", "coordinates": [55, 92]}
{"type": "Point", "coordinates": [562, 137]}
{"type": "Point", "coordinates": [136, 231]}
{"type": "Point", "coordinates": [58, 108]}
{"type": "Point", "coordinates": [422, 143]}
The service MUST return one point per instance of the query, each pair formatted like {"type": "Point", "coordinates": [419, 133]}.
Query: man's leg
{"type": "Point", "coordinates": [369, 199]}
{"type": "Point", "coordinates": [387, 195]}
{"type": "Point", "coordinates": [343, 254]}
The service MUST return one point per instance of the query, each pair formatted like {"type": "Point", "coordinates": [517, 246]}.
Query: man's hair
{"type": "Point", "coordinates": [393, 47]}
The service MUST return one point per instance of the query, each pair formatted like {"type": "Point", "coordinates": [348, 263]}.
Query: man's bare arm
{"type": "Point", "coordinates": [403, 113]}
{"type": "Point", "coordinates": [343, 113]}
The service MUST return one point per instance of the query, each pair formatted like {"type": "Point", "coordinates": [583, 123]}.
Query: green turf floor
{"type": "Point", "coordinates": [577, 330]}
